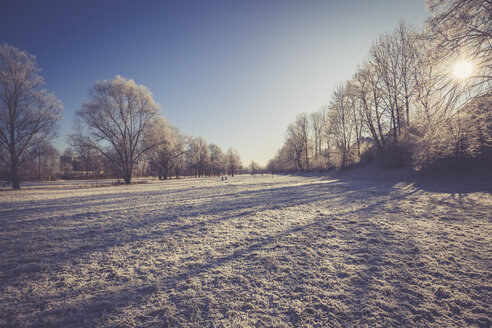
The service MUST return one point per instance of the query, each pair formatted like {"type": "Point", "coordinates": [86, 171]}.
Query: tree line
{"type": "Point", "coordinates": [117, 132]}
{"type": "Point", "coordinates": [410, 101]}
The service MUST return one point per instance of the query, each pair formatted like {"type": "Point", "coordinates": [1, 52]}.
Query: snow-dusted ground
{"type": "Point", "coordinates": [346, 250]}
{"type": "Point", "coordinates": [67, 184]}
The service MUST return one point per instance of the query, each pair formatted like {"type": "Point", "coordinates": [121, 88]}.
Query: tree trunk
{"type": "Point", "coordinates": [13, 157]}
{"type": "Point", "coordinates": [394, 123]}
{"type": "Point", "coordinates": [13, 173]}
{"type": "Point", "coordinates": [407, 107]}
{"type": "Point", "coordinates": [307, 157]}
{"type": "Point", "coordinates": [39, 167]}
{"type": "Point", "coordinates": [128, 177]}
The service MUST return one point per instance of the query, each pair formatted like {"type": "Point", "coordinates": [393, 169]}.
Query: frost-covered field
{"type": "Point", "coordinates": [67, 184]}
{"type": "Point", "coordinates": [287, 251]}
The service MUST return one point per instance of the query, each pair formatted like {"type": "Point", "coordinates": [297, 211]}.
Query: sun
{"type": "Point", "coordinates": [462, 69]}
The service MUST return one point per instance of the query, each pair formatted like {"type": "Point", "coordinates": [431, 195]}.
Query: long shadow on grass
{"type": "Point", "coordinates": [211, 205]}
{"type": "Point", "coordinates": [133, 295]}
{"type": "Point", "coordinates": [450, 181]}
{"type": "Point", "coordinates": [89, 236]}
{"type": "Point", "coordinates": [13, 210]}
{"type": "Point", "coordinates": [220, 210]}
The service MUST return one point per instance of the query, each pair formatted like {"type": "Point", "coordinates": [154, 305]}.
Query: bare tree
{"type": "Point", "coordinates": [393, 60]}
{"type": "Point", "coordinates": [356, 115]}
{"type": "Point", "coordinates": [253, 167]}
{"type": "Point", "coordinates": [384, 58]}
{"type": "Point", "coordinates": [302, 122]}
{"type": "Point", "coordinates": [463, 29]}
{"type": "Point", "coordinates": [436, 96]}
{"type": "Point", "coordinates": [233, 161]}
{"type": "Point", "coordinates": [405, 36]}
{"type": "Point", "coordinates": [318, 121]}
{"type": "Point", "coordinates": [366, 101]}
{"type": "Point", "coordinates": [28, 114]}
{"type": "Point", "coordinates": [295, 145]}
{"type": "Point", "coordinates": [387, 86]}
{"type": "Point", "coordinates": [46, 161]}
{"type": "Point", "coordinates": [180, 161]}
{"type": "Point", "coordinates": [88, 158]}
{"type": "Point", "coordinates": [217, 160]}
{"type": "Point", "coordinates": [284, 160]}
{"type": "Point", "coordinates": [169, 145]}
{"type": "Point", "coordinates": [342, 123]}
{"type": "Point", "coordinates": [326, 144]}
{"type": "Point", "coordinates": [115, 121]}
{"type": "Point", "coordinates": [298, 136]}
{"type": "Point", "coordinates": [198, 157]}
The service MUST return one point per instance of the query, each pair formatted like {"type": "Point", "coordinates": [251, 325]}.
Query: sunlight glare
{"type": "Point", "coordinates": [463, 69]}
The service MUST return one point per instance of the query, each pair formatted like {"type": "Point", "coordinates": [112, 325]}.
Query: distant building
{"type": "Point", "coordinates": [67, 160]}
{"type": "Point", "coordinates": [77, 168]}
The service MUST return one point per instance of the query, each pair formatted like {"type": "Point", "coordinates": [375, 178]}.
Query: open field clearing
{"type": "Point", "coordinates": [282, 251]}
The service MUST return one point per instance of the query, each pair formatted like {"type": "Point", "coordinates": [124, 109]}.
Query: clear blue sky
{"type": "Point", "coordinates": [234, 72]}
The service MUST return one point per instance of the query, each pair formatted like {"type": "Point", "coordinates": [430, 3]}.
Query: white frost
{"type": "Point", "coordinates": [267, 251]}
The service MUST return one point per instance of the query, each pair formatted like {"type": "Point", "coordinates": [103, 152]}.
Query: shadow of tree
{"type": "Point", "coordinates": [352, 257]}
